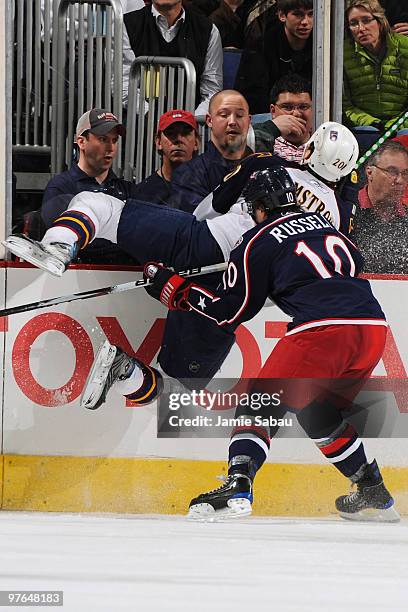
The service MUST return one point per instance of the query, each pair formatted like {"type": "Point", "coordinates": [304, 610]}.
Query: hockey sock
{"type": "Point", "coordinates": [250, 442]}
{"type": "Point", "coordinates": [142, 386]}
{"type": "Point", "coordinates": [72, 226]}
{"type": "Point", "coordinates": [344, 449]}
{"type": "Point", "coordinates": [132, 383]}
{"type": "Point", "coordinates": [60, 234]}
{"type": "Point", "coordinates": [334, 437]}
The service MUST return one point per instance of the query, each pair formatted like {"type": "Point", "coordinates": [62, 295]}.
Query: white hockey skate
{"type": "Point", "coordinates": [54, 257]}
{"type": "Point", "coordinates": [111, 364]}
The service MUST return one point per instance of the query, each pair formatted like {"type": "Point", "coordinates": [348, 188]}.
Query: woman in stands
{"type": "Point", "coordinates": [375, 67]}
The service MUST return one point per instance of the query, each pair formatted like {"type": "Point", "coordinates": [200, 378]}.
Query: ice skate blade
{"type": "Point", "coordinates": [97, 376]}
{"type": "Point", "coordinates": [237, 508]}
{"type": "Point", "coordinates": [373, 515]}
{"type": "Point", "coordinates": [34, 255]}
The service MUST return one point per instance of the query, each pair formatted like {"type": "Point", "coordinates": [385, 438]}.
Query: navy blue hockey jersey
{"type": "Point", "coordinates": [307, 267]}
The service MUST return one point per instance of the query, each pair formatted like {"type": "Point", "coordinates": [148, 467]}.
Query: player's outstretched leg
{"type": "Point", "coordinates": [138, 382]}
{"type": "Point", "coordinates": [371, 501]}
{"type": "Point", "coordinates": [89, 216]}
{"type": "Point", "coordinates": [54, 257]}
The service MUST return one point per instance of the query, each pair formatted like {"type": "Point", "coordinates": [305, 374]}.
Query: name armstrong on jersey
{"type": "Point", "coordinates": [314, 196]}
{"type": "Point", "coordinates": [299, 226]}
{"type": "Point", "coordinates": [309, 201]}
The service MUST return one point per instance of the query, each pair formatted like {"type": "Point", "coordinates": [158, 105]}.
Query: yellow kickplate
{"type": "Point", "coordinates": [165, 486]}
{"type": "Point", "coordinates": [1, 478]}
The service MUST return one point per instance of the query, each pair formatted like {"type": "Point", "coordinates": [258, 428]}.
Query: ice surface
{"type": "Point", "coordinates": [166, 563]}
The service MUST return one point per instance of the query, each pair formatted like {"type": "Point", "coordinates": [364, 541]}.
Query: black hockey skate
{"type": "Point", "coordinates": [112, 364]}
{"type": "Point", "coordinates": [54, 257]}
{"type": "Point", "coordinates": [371, 501]}
{"type": "Point", "coordinates": [232, 499]}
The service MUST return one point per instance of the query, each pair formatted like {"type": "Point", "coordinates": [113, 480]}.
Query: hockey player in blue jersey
{"type": "Point", "coordinates": [337, 333]}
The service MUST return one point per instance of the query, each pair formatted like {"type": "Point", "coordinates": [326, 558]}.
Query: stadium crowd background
{"type": "Point", "coordinates": [259, 53]}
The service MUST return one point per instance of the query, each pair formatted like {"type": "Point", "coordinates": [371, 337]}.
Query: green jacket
{"type": "Point", "coordinates": [375, 91]}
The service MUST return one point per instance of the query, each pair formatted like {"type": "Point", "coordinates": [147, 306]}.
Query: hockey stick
{"type": "Point", "coordinates": [84, 295]}
{"type": "Point", "coordinates": [393, 128]}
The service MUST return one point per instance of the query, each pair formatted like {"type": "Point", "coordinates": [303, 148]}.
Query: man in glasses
{"type": "Point", "coordinates": [381, 223]}
{"type": "Point", "coordinates": [290, 126]}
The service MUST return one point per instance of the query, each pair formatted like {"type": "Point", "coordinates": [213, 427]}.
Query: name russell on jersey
{"type": "Point", "coordinates": [298, 226]}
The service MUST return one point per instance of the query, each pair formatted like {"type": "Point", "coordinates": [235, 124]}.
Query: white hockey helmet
{"type": "Point", "coordinates": [331, 151]}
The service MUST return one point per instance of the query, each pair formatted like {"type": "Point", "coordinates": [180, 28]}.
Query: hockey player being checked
{"type": "Point", "coordinates": [338, 331]}
{"type": "Point", "coordinates": [148, 231]}
{"type": "Point", "coordinates": [181, 240]}
{"type": "Point", "coordinates": [178, 239]}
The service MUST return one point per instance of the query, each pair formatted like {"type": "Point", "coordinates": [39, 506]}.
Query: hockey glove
{"type": "Point", "coordinates": [168, 287]}
{"type": "Point", "coordinates": [228, 192]}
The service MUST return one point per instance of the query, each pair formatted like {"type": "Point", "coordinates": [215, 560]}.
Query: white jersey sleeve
{"type": "Point", "coordinates": [227, 229]}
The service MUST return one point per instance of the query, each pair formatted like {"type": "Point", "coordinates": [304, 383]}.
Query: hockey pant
{"type": "Point", "coordinates": [320, 372]}
{"type": "Point", "coordinates": [148, 232]}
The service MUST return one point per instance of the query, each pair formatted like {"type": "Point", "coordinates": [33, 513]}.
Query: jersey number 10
{"type": "Point", "coordinates": [334, 263]}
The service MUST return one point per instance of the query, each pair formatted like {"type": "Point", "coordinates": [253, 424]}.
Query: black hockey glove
{"type": "Point", "coordinates": [168, 287]}
{"type": "Point", "coordinates": [228, 192]}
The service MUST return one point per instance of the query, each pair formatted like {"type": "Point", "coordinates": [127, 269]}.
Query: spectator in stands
{"type": "Point", "coordinates": [167, 29]}
{"type": "Point", "coordinates": [287, 47]}
{"type": "Point", "coordinates": [229, 119]}
{"type": "Point", "coordinates": [241, 23]}
{"type": "Point", "coordinates": [258, 16]}
{"type": "Point", "coordinates": [375, 67]}
{"type": "Point", "coordinates": [97, 138]}
{"type": "Point", "coordinates": [229, 22]}
{"type": "Point", "coordinates": [396, 12]}
{"type": "Point", "coordinates": [292, 117]}
{"type": "Point", "coordinates": [381, 223]}
{"type": "Point", "coordinates": [177, 140]}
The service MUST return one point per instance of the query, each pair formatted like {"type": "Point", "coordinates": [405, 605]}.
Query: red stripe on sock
{"type": "Point", "coordinates": [336, 445]}
{"type": "Point", "coordinates": [259, 431]}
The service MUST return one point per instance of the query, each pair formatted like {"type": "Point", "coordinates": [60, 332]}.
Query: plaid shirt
{"type": "Point", "coordinates": [289, 151]}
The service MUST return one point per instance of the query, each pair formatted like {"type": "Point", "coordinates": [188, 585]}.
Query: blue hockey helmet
{"type": "Point", "coordinates": [272, 188]}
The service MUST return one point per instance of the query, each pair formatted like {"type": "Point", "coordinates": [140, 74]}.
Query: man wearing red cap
{"type": "Point", "coordinates": [177, 140]}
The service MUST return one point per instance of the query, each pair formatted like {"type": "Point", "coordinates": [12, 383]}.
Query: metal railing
{"type": "Point", "coordinates": [87, 57]}
{"type": "Point", "coordinates": [31, 38]}
{"type": "Point", "coordinates": [67, 58]}
{"type": "Point", "coordinates": [156, 85]}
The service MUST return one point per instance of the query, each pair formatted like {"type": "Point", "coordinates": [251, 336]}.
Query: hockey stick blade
{"type": "Point", "coordinates": [84, 295]}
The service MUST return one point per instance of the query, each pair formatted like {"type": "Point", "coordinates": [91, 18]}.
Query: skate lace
{"type": "Point", "coordinates": [353, 495]}
{"type": "Point", "coordinates": [226, 480]}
